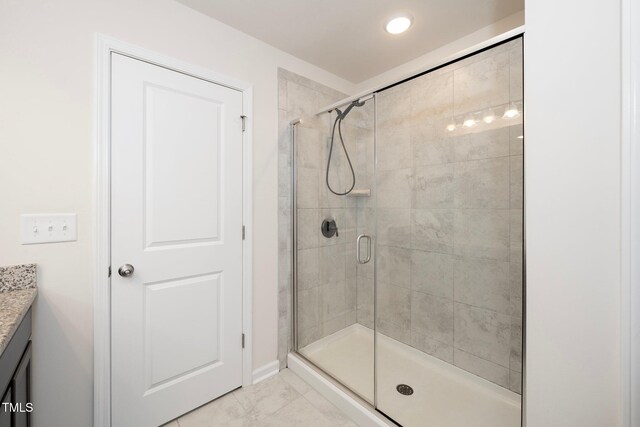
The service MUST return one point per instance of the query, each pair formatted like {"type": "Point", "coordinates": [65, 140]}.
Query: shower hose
{"type": "Point", "coordinates": [337, 123]}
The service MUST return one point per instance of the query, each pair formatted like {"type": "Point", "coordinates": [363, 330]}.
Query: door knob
{"type": "Point", "coordinates": [126, 270]}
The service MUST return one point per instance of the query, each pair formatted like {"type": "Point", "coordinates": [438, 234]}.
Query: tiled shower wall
{"type": "Point", "coordinates": [321, 289]}
{"type": "Point", "coordinates": [327, 297]}
{"type": "Point", "coordinates": [448, 208]}
{"type": "Point", "coordinates": [449, 272]}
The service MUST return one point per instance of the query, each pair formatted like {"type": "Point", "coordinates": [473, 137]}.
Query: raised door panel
{"type": "Point", "coordinates": [181, 129]}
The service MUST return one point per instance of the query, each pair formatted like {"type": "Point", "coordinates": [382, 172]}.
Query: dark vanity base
{"type": "Point", "coordinates": [15, 377]}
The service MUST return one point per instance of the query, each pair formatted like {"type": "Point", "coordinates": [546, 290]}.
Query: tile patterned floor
{"type": "Point", "coordinates": [280, 401]}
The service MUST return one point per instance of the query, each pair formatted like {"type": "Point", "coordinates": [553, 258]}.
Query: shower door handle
{"type": "Point", "coordinates": [368, 258]}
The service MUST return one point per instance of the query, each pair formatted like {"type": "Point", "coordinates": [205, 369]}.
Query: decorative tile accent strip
{"type": "Point", "coordinates": [15, 277]}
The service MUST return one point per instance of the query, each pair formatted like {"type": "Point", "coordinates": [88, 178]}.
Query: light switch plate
{"type": "Point", "coordinates": [48, 228]}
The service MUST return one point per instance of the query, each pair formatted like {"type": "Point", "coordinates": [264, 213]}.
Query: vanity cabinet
{"type": "Point", "coordinates": [15, 377]}
{"type": "Point", "coordinates": [5, 416]}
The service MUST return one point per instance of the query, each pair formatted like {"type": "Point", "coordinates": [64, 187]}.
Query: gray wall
{"type": "Point", "coordinates": [446, 210]}
{"type": "Point", "coordinates": [322, 291]}
{"type": "Point", "coordinates": [450, 215]}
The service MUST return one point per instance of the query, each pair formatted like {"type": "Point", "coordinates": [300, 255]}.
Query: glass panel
{"type": "Point", "coordinates": [449, 153]}
{"type": "Point", "coordinates": [334, 292]}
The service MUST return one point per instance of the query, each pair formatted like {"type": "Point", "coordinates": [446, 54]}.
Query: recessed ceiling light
{"type": "Point", "coordinates": [398, 25]}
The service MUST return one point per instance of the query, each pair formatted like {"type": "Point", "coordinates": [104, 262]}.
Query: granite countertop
{"type": "Point", "coordinates": [13, 306]}
{"type": "Point", "coordinates": [17, 292]}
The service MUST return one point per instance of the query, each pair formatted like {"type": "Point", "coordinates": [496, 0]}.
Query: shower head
{"type": "Point", "coordinates": [356, 103]}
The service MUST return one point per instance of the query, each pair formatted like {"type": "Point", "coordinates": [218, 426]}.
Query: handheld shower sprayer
{"type": "Point", "coordinates": [340, 116]}
{"type": "Point", "coordinates": [356, 103]}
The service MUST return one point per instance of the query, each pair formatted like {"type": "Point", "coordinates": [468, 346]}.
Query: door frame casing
{"type": "Point", "coordinates": [105, 46]}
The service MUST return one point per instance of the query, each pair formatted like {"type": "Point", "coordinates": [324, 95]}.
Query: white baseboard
{"type": "Point", "coordinates": [355, 410]}
{"type": "Point", "coordinates": [266, 371]}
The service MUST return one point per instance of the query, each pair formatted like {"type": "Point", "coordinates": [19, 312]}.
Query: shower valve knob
{"type": "Point", "coordinates": [329, 228]}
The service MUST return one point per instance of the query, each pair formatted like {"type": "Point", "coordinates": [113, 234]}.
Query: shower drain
{"type": "Point", "coordinates": [404, 389]}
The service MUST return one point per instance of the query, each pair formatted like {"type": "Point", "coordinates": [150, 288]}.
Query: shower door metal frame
{"type": "Point", "coordinates": [294, 237]}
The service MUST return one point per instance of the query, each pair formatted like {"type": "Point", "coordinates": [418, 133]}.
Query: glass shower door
{"type": "Point", "coordinates": [333, 289]}
{"type": "Point", "coordinates": [408, 290]}
{"type": "Point", "coordinates": [449, 151]}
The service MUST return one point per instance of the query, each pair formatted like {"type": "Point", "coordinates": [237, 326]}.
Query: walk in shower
{"type": "Point", "coordinates": [407, 243]}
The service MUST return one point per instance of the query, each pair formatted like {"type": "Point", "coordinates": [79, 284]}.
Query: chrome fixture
{"type": "Point", "coordinates": [368, 258]}
{"type": "Point", "coordinates": [126, 270]}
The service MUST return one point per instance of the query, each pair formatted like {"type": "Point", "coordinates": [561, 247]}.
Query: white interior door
{"type": "Point", "coordinates": [176, 217]}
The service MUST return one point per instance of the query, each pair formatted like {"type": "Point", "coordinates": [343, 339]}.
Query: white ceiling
{"type": "Point", "coordinates": [347, 37]}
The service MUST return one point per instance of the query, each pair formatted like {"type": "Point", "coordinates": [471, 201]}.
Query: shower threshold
{"type": "Point", "coordinates": [360, 411]}
{"type": "Point", "coordinates": [444, 395]}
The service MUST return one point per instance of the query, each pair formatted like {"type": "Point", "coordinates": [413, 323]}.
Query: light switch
{"type": "Point", "coordinates": [47, 228]}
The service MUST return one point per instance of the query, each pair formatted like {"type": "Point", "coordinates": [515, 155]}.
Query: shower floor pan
{"type": "Point", "coordinates": [443, 395]}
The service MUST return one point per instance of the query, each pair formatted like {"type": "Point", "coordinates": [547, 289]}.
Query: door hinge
{"type": "Point", "coordinates": [244, 119]}
{"type": "Point", "coordinates": [243, 232]}
{"type": "Point", "coordinates": [242, 340]}
{"type": "Point", "coordinates": [109, 272]}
